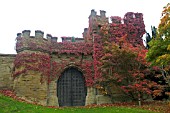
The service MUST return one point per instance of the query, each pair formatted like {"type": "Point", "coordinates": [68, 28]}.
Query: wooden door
{"type": "Point", "coordinates": [71, 89]}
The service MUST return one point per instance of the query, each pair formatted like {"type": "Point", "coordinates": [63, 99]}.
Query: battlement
{"type": "Point", "coordinates": [100, 19]}
{"type": "Point", "coordinates": [94, 13]}
{"type": "Point", "coordinates": [131, 24]}
{"type": "Point", "coordinates": [38, 34]}
{"type": "Point", "coordinates": [48, 44]}
{"type": "Point", "coordinates": [72, 39]}
{"type": "Point", "coordinates": [132, 15]}
{"type": "Point", "coordinates": [95, 23]}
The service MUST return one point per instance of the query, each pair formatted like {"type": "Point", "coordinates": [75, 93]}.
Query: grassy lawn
{"type": "Point", "coordinates": [8, 105]}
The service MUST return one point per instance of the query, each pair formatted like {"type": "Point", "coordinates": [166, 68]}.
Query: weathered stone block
{"type": "Point", "coordinates": [101, 99]}
{"type": "Point", "coordinates": [53, 101]}
{"type": "Point", "coordinates": [91, 96]}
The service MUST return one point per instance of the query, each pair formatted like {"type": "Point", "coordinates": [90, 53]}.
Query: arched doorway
{"type": "Point", "coordinates": [71, 89]}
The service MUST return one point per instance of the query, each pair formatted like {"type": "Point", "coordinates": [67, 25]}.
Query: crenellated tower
{"type": "Point", "coordinates": [95, 23]}
{"type": "Point", "coordinates": [131, 24]}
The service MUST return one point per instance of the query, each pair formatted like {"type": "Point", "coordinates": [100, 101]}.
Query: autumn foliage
{"type": "Point", "coordinates": [125, 66]}
{"type": "Point", "coordinates": [119, 57]}
{"type": "Point", "coordinates": [117, 52]}
{"type": "Point", "coordinates": [159, 52]}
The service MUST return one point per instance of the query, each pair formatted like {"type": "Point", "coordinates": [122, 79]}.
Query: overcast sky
{"type": "Point", "coordinates": [65, 17]}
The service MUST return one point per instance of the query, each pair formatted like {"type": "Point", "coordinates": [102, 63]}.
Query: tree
{"type": "Point", "coordinates": [164, 26]}
{"type": "Point", "coordinates": [125, 66]}
{"type": "Point", "coordinates": [122, 62]}
{"type": "Point", "coordinates": [159, 52]}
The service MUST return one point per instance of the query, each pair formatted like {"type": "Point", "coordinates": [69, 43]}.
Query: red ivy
{"type": "Point", "coordinates": [86, 67]}
{"type": "Point", "coordinates": [39, 62]}
{"type": "Point", "coordinates": [133, 27]}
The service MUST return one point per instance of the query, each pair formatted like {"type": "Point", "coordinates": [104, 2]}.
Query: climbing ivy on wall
{"type": "Point", "coordinates": [86, 67]}
{"type": "Point", "coordinates": [42, 63]}
{"type": "Point", "coordinates": [132, 24]}
{"type": "Point", "coordinates": [40, 44]}
{"type": "Point", "coordinates": [38, 62]}
{"type": "Point", "coordinates": [133, 27]}
{"type": "Point", "coordinates": [108, 60]}
{"type": "Point", "coordinates": [77, 48]}
{"type": "Point", "coordinates": [49, 69]}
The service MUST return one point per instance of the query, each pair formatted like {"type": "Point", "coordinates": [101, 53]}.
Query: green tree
{"type": "Point", "coordinates": [159, 52]}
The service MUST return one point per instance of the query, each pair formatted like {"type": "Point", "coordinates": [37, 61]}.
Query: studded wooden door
{"type": "Point", "coordinates": [71, 89]}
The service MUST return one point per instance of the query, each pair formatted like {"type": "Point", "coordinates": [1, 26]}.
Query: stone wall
{"type": "Point", "coordinates": [29, 87]}
{"type": "Point", "coordinates": [6, 67]}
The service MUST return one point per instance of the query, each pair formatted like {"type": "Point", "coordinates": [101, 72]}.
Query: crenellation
{"type": "Point", "coordinates": [116, 19]}
{"type": "Point", "coordinates": [85, 33]}
{"type": "Point", "coordinates": [129, 15]}
{"type": "Point", "coordinates": [49, 36]}
{"type": "Point", "coordinates": [72, 39]}
{"type": "Point", "coordinates": [66, 39]}
{"type": "Point", "coordinates": [54, 39]}
{"type": "Point", "coordinates": [138, 15]}
{"type": "Point", "coordinates": [85, 30]}
{"type": "Point", "coordinates": [93, 13]}
{"type": "Point", "coordinates": [39, 34]}
{"type": "Point", "coordinates": [26, 33]}
{"type": "Point", "coordinates": [19, 34]}
{"type": "Point", "coordinates": [102, 13]}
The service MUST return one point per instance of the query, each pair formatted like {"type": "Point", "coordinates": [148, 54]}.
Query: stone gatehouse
{"type": "Point", "coordinates": [55, 73]}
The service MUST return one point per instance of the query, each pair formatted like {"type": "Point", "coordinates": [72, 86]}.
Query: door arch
{"type": "Point", "coordinates": [71, 89]}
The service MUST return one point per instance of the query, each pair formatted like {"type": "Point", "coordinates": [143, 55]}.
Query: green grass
{"type": "Point", "coordinates": [8, 105]}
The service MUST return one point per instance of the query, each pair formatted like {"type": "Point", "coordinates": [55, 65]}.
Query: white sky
{"type": "Point", "coordinates": [65, 17]}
